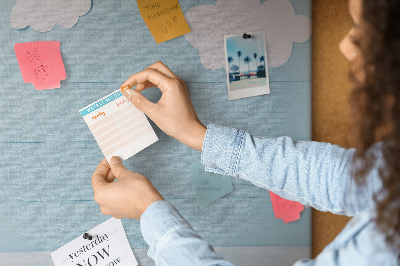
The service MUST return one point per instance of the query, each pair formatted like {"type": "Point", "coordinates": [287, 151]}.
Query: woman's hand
{"type": "Point", "coordinates": [173, 113]}
{"type": "Point", "coordinates": [128, 196]}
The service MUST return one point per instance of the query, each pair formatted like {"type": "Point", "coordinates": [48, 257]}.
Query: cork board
{"type": "Point", "coordinates": [331, 89]}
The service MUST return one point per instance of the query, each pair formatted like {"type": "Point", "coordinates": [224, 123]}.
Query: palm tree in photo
{"type": "Point", "coordinates": [247, 60]}
{"type": "Point", "coordinates": [230, 60]}
{"type": "Point", "coordinates": [239, 55]}
{"type": "Point", "coordinates": [262, 59]}
{"type": "Point", "coordinates": [255, 60]}
{"type": "Point", "coordinates": [261, 72]}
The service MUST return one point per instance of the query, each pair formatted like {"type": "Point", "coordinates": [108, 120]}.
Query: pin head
{"type": "Point", "coordinates": [87, 236]}
{"type": "Point", "coordinates": [246, 36]}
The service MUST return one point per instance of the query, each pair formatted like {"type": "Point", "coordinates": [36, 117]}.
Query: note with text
{"type": "Point", "coordinates": [41, 64]}
{"type": "Point", "coordinates": [164, 18]}
{"type": "Point", "coordinates": [107, 246]}
{"type": "Point", "coordinates": [209, 186]}
{"type": "Point", "coordinates": [118, 126]}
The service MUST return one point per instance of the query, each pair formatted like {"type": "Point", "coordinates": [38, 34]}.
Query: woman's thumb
{"type": "Point", "coordinates": [138, 100]}
{"type": "Point", "coordinates": [116, 166]}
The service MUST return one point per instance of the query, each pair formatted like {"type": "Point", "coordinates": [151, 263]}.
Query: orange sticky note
{"type": "Point", "coordinates": [41, 64]}
{"type": "Point", "coordinates": [284, 209]}
{"type": "Point", "coordinates": [164, 18]}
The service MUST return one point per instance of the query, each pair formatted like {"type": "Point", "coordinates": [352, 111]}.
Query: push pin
{"type": "Point", "coordinates": [87, 236]}
{"type": "Point", "coordinates": [246, 36]}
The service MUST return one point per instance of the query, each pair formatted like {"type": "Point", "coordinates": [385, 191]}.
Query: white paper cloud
{"type": "Point", "coordinates": [277, 18]}
{"type": "Point", "coordinates": [43, 15]}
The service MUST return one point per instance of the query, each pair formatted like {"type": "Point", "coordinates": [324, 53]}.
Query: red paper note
{"type": "Point", "coordinates": [284, 209]}
{"type": "Point", "coordinates": [41, 64]}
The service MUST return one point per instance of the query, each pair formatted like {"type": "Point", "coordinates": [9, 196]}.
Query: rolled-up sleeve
{"type": "Point", "coordinates": [313, 173]}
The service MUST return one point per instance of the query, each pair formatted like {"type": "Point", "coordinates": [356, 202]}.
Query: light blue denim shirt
{"type": "Point", "coordinates": [312, 173]}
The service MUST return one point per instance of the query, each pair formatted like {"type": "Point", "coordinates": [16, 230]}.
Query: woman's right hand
{"type": "Point", "coordinates": [174, 112]}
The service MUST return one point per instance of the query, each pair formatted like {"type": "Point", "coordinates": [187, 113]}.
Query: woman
{"type": "Point", "coordinates": [316, 174]}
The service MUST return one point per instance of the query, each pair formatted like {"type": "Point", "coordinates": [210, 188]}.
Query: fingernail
{"type": "Point", "coordinates": [115, 160]}
{"type": "Point", "coordinates": [124, 88]}
{"type": "Point", "coordinates": [128, 94]}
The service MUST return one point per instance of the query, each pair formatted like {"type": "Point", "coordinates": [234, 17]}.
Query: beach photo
{"type": "Point", "coordinates": [246, 65]}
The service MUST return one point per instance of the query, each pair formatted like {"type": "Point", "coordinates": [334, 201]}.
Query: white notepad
{"type": "Point", "coordinates": [118, 126]}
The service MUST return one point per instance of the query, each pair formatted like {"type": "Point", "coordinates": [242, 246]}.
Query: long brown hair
{"type": "Point", "coordinates": [375, 103]}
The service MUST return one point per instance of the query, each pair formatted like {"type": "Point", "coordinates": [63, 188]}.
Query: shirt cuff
{"type": "Point", "coordinates": [159, 218]}
{"type": "Point", "coordinates": [222, 148]}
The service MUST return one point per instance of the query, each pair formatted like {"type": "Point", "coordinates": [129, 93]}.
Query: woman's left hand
{"type": "Point", "coordinates": [126, 197]}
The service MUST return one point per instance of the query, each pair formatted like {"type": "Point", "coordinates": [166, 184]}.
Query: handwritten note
{"type": "Point", "coordinates": [284, 209]}
{"type": "Point", "coordinates": [118, 126]}
{"type": "Point", "coordinates": [164, 18]}
{"type": "Point", "coordinates": [108, 246]}
{"type": "Point", "coordinates": [41, 64]}
{"type": "Point", "coordinates": [209, 186]}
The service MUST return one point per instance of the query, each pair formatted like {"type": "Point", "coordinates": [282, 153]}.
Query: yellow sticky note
{"type": "Point", "coordinates": [164, 18]}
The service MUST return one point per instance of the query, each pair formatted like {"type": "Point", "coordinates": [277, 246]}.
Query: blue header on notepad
{"type": "Point", "coordinates": [100, 103]}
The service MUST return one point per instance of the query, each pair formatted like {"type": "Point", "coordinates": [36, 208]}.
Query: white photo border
{"type": "Point", "coordinates": [247, 92]}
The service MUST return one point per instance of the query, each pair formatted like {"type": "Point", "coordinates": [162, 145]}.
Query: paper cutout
{"type": "Point", "coordinates": [284, 209]}
{"type": "Point", "coordinates": [209, 186]}
{"type": "Point", "coordinates": [164, 18]}
{"type": "Point", "coordinates": [109, 246]}
{"type": "Point", "coordinates": [41, 64]}
{"type": "Point", "coordinates": [118, 126]}
{"type": "Point", "coordinates": [276, 17]}
{"type": "Point", "coordinates": [43, 15]}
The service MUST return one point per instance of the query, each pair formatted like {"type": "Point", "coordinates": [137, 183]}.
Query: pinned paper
{"type": "Point", "coordinates": [118, 126]}
{"type": "Point", "coordinates": [43, 15]}
{"type": "Point", "coordinates": [246, 65]}
{"type": "Point", "coordinates": [284, 209]}
{"type": "Point", "coordinates": [108, 246]}
{"type": "Point", "coordinates": [209, 186]}
{"type": "Point", "coordinates": [41, 64]}
{"type": "Point", "coordinates": [164, 18]}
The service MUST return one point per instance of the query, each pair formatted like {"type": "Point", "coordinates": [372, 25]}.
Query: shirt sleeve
{"type": "Point", "coordinates": [360, 243]}
{"type": "Point", "coordinates": [172, 241]}
{"type": "Point", "coordinates": [313, 173]}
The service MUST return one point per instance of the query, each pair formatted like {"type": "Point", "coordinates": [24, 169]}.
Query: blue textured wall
{"type": "Point", "coordinates": [48, 154]}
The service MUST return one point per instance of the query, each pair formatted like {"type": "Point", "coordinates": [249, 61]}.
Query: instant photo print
{"type": "Point", "coordinates": [246, 65]}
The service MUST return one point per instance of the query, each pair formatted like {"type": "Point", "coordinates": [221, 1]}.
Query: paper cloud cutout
{"type": "Point", "coordinates": [43, 15]}
{"type": "Point", "coordinates": [277, 18]}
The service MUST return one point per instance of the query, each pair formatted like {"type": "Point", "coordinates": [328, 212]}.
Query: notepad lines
{"type": "Point", "coordinates": [133, 123]}
{"type": "Point", "coordinates": [120, 128]}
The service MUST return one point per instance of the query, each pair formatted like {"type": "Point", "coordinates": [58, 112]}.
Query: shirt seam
{"type": "Point", "coordinates": [238, 152]}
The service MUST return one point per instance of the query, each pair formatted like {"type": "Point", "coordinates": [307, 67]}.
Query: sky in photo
{"type": "Point", "coordinates": [256, 44]}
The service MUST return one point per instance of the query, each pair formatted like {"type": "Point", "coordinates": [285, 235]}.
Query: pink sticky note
{"type": "Point", "coordinates": [284, 209]}
{"type": "Point", "coordinates": [41, 64]}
